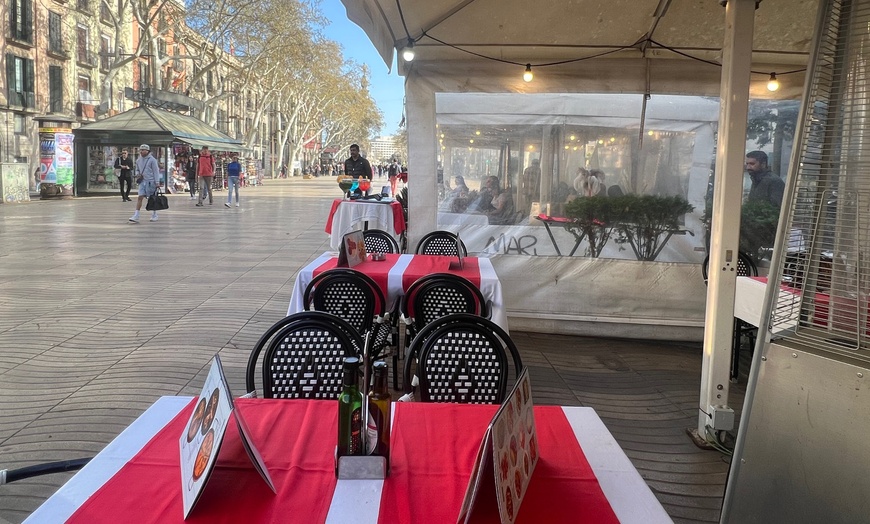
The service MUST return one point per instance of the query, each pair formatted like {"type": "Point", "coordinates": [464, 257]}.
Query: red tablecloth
{"type": "Point", "coordinates": [433, 450]}
{"type": "Point", "coordinates": [419, 266]}
{"type": "Point", "coordinates": [398, 216]}
{"type": "Point", "coordinates": [378, 271]}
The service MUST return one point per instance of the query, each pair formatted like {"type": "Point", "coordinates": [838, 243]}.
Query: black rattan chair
{"type": "Point", "coordinates": [379, 241]}
{"type": "Point", "coordinates": [745, 268]}
{"type": "Point", "coordinates": [435, 296]}
{"type": "Point", "coordinates": [303, 356]}
{"type": "Point", "coordinates": [440, 243]}
{"type": "Point", "coordinates": [462, 358]}
{"type": "Point", "coordinates": [356, 298]}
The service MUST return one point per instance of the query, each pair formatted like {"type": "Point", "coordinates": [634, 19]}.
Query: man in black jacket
{"type": "Point", "coordinates": [357, 166]}
{"type": "Point", "coordinates": [124, 168]}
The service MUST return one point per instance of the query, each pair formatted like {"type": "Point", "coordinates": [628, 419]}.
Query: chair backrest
{"type": "Point", "coordinates": [303, 356]}
{"type": "Point", "coordinates": [440, 243]}
{"type": "Point", "coordinates": [441, 294]}
{"type": "Point", "coordinates": [745, 266]}
{"type": "Point", "coordinates": [348, 294]}
{"type": "Point", "coordinates": [463, 358]}
{"type": "Point", "coordinates": [379, 241]}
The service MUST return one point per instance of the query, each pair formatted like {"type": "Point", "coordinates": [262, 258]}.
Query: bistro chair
{"type": "Point", "coordinates": [379, 241]}
{"type": "Point", "coordinates": [356, 298]}
{"type": "Point", "coordinates": [303, 356]}
{"type": "Point", "coordinates": [462, 358]}
{"type": "Point", "coordinates": [745, 268]}
{"type": "Point", "coordinates": [440, 243]}
{"type": "Point", "coordinates": [435, 296]}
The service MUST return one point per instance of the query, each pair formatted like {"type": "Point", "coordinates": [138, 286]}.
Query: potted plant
{"type": "Point", "coordinates": [758, 221]}
{"type": "Point", "coordinates": [594, 219]}
{"type": "Point", "coordinates": [647, 222]}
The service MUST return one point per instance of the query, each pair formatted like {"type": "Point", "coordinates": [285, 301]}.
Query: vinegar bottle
{"type": "Point", "coordinates": [379, 410]}
{"type": "Point", "coordinates": [350, 411]}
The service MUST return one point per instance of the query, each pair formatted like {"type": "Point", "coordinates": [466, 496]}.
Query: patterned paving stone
{"type": "Point", "coordinates": [98, 319]}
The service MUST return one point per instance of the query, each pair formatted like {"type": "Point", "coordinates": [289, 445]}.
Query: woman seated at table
{"type": "Point", "coordinates": [502, 212]}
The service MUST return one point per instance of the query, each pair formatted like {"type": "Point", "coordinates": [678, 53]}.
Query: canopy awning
{"type": "Point", "coordinates": [144, 124]}
{"type": "Point", "coordinates": [585, 35]}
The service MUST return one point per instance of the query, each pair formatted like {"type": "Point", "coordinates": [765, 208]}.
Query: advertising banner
{"type": "Point", "coordinates": [64, 157]}
{"type": "Point", "coordinates": [47, 166]}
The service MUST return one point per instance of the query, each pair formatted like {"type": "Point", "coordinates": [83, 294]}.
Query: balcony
{"type": "Point", "coordinates": [59, 53]}
{"type": "Point", "coordinates": [85, 110]}
{"type": "Point", "coordinates": [87, 59]}
{"type": "Point", "coordinates": [26, 99]}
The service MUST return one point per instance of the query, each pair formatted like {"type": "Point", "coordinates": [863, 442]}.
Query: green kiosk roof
{"type": "Point", "coordinates": [147, 124]}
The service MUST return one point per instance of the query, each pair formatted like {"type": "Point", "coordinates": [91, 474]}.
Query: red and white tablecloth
{"type": "Point", "coordinates": [582, 475]}
{"type": "Point", "coordinates": [396, 274]}
{"type": "Point", "coordinates": [348, 215]}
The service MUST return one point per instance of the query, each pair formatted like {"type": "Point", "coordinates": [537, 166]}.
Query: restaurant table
{"type": "Point", "coordinates": [396, 274]}
{"type": "Point", "coordinates": [749, 301]}
{"type": "Point", "coordinates": [346, 215]}
{"type": "Point", "coordinates": [582, 474]}
{"type": "Point", "coordinates": [564, 223]}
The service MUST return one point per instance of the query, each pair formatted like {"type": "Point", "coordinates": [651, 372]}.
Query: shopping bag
{"type": "Point", "coordinates": [157, 201]}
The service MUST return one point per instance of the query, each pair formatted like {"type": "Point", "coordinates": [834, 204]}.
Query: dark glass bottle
{"type": "Point", "coordinates": [379, 410]}
{"type": "Point", "coordinates": [350, 411]}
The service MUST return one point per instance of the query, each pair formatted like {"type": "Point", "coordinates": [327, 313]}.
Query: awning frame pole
{"type": "Point", "coordinates": [725, 226]}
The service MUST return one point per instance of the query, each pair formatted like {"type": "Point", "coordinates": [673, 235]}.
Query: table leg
{"type": "Point", "coordinates": [576, 244]}
{"type": "Point", "coordinates": [552, 239]}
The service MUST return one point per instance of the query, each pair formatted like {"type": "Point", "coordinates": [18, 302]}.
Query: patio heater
{"type": "Point", "coordinates": [801, 454]}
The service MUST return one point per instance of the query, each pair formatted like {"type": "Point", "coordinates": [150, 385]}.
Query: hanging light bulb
{"type": "Point", "coordinates": [408, 52]}
{"type": "Point", "coordinates": [773, 83]}
{"type": "Point", "coordinates": [527, 75]}
{"type": "Point", "coordinates": [477, 133]}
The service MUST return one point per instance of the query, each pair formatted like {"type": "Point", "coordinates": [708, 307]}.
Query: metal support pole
{"type": "Point", "coordinates": [725, 232]}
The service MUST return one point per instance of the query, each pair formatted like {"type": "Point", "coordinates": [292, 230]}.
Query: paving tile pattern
{"type": "Point", "coordinates": [99, 318]}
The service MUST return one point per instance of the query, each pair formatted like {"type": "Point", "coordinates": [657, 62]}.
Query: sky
{"type": "Point", "coordinates": [386, 88]}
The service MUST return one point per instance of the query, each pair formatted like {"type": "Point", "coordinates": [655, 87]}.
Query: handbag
{"type": "Point", "coordinates": [157, 201]}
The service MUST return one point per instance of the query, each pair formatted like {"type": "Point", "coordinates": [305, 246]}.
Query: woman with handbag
{"type": "Point", "coordinates": [148, 178]}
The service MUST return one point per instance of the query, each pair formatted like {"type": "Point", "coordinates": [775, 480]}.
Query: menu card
{"type": "Point", "coordinates": [201, 440]}
{"type": "Point", "coordinates": [506, 457]}
{"type": "Point", "coordinates": [457, 264]}
{"type": "Point", "coordinates": [352, 250]}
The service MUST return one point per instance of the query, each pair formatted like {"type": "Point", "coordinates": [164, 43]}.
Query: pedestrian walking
{"type": "Point", "coordinates": [124, 166]}
{"type": "Point", "coordinates": [234, 171]}
{"type": "Point", "coordinates": [188, 166]}
{"type": "Point", "coordinates": [205, 171]}
{"type": "Point", "coordinates": [148, 178]}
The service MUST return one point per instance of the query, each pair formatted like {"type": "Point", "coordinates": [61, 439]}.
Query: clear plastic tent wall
{"type": "Point", "coordinates": [540, 149]}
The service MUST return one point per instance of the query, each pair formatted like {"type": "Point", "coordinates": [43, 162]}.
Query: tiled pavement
{"type": "Point", "coordinates": [99, 317]}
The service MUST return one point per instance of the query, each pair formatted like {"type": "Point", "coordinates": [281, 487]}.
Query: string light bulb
{"type": "Point", "coordinates": [773, 83]}
{"type": "Point", "coordinates": [408, 52]}
{"type": "Point", "coordinates": [527, 75]}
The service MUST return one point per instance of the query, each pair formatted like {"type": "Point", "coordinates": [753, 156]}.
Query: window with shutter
{"type": "Point", "coordinates": [82, 44]}
{"type": "Point", "coordinates": [21, 20]}
{"type": "Point", "coordinates": [29, 84]}
{"type": "Point", "coordinates": [55, 33]}
{"type": "Point", "coordinates": [105, 52]}
{"type": "Point", "coordinates": [55, 88]}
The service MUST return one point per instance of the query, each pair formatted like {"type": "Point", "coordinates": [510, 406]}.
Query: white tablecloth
{"type": "Point", "coordinates": [358, 501]}
{"type": "Point", "coordinates": [351, 215]}
{"type": "Point", "coordinates": [749, 301]}
{"type": "Point", "coordinates": [490, 286]}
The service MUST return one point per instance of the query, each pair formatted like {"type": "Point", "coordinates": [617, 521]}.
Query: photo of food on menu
{"type": "Point", "coordinates": [508, 455]}
{"type": "Point", "coordinates": [200, 442]}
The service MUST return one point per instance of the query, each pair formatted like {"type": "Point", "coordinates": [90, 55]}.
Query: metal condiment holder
{"type": "Point", "coordinates": [362, 467]}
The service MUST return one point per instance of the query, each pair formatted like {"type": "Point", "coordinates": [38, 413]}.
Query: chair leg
{"type": "Point", "coordinates": [735, 349]}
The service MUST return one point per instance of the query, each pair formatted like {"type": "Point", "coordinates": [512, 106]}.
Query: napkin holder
{"type": "Point", "coordinates": [361, 467]}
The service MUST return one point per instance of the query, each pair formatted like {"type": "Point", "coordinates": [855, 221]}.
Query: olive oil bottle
{"type": "Point", "coordinates": [379, 411]}
{"type": "Point", "coordinates": [350, 411]}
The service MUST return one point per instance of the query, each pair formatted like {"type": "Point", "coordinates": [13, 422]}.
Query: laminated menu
{"type": "Point", "coordinates": [203, 435]}
{"type": "Point", "coordinates": [352, 250]}
{"type": "Point", "coordinates": [506, 458]}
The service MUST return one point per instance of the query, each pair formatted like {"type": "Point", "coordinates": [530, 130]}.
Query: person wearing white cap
{"type": "Point", "coordinates": [148, 177]}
